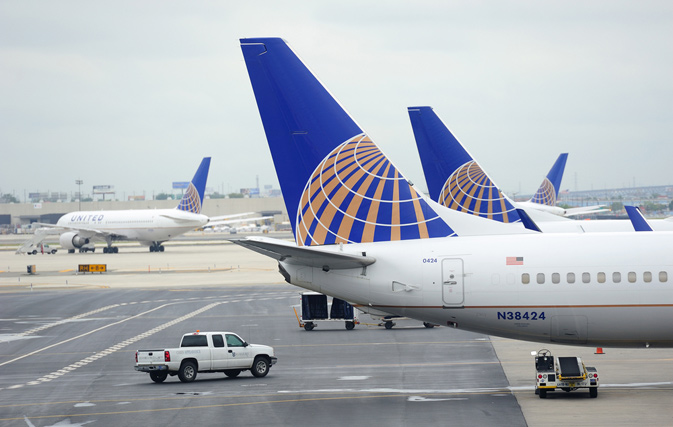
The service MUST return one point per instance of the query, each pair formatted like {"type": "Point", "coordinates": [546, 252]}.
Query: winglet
{"type": "Point", "coordinates": [527, 221]}
{"type": "Point", "coordinates": [549, 189]}
{"type": "Point", "coordinates": [637, 219]}
{"type": "Point", "coordinates": [337, 184]}
{"type": "Point", "coordinates": [454, 178]}
{"type": "Point", "coordinates": [192, 200]}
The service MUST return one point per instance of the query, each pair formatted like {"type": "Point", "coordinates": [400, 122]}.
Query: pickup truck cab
{"type": "Point", "coordinates": [206, 352]}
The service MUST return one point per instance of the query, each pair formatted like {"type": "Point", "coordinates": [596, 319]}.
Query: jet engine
{"type": "Point", "coordinates": [71, 240]}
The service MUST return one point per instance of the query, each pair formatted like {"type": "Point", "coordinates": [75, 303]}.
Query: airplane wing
{"type": "Point", "coordinates": [226, 217]}
{"type": "Point", "coordinates": [303, 255]}
{"type": "Point", "coordinates": [215, 223]}
{"type": "Point", "coordinates": [85, 232]}
{"type": "Point", "coordinates": [584, 210]}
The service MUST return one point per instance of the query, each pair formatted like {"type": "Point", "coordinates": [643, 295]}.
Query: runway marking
{"type": "Point", "coordinates": [69, 319]}
{"type": "Point", "coordinates": [217, 405]}
{"type": "Point", "coordinates": [72, 367]}
{"type": "Point", "coordinates": [84, 334]}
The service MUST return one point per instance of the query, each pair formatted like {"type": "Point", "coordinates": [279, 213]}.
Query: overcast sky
{"type": "Point", "coordinates": [133, 94]}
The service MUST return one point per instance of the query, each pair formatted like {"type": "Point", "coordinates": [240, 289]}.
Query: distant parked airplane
{"type": "Point", "coordinates": [150, 227]}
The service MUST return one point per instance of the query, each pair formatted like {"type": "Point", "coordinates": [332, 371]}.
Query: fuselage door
{"type": "Point", "coordinates": [452, 282]}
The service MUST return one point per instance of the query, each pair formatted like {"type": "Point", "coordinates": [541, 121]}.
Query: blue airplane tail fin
{"type": "Point", "coordinates": [548, 191]}
{"type": "Point", "coordinates": [192, 200]}
{"type": "Point", "coordinates": [337, 184]}
{"type": "Point", "coordinates": [454, 178]}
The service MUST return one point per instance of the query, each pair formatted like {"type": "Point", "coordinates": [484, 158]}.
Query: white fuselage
{"type": "Point", "coordinates": [598, 289]}
{"type": "Point", "coordinates": [145, 226]}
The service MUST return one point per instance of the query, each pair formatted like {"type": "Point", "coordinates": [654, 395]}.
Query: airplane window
{"type": "Point", "coordinates": [555, 278]}
{"type": "Point", "coordinates": [600, 277]}
{"type": "Point", "coordinates": [510, 278]}
{"type": "Point", "coordinates": [586, 277]}
{"type": "Point", "coordinates": [571, 278]}
{"type": "Point", "coordinates": [647, 277]}
{"type": "Point", "coordinates": [525, 278]}
{"type": "Point", "coordinates": [663, 276]}
{"type": "Point", "coordinates": [632, 277]}
{"type": "Point", "coordinates": [616, 277]}
{"type": "Point", "coordinates": [540, 278]}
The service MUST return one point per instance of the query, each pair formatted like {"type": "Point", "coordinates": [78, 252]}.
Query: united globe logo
{"type": "Point", "coordinates": [356, 195]}
{"type": "Point", "coordinates": [470, 190]}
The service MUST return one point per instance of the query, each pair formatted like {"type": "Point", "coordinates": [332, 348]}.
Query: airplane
{"type": "Point", "coordinates": [457, 181]}
{"type": "Point", "coordinates": [365, 235]}
{"type": "Point", "coordinates": [150, 227]}
{"type": "Point", "coordinates": [453, 175]}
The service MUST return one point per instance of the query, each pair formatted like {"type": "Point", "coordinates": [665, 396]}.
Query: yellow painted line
{"type": "Point", "coordinates": [66, 271]}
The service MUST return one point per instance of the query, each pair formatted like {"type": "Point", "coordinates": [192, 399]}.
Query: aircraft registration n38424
{"type": "Point", "coordinates": [364, 234]}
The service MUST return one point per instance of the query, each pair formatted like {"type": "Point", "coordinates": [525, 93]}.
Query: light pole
{"type": "Point", "coordinates": [79, 183]}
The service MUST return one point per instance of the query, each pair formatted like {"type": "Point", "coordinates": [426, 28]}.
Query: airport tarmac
{"type": "Point", "coordinates": [67, 342]}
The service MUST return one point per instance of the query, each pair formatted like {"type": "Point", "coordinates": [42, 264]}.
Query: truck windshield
{"type": "Point", "coordinates": [194, 341]}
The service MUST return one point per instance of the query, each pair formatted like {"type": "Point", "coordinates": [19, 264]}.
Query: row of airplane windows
{"type": "Point", "coordinates": [601, 277]}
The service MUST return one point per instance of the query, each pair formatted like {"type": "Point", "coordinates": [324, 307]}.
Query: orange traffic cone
{"type": "Point", "coordinates": [599, 350]}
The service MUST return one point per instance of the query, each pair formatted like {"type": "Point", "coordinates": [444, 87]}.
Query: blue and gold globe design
{"type": "Point", "coordinates": [470, 190]}
{"type": "Point", "coordinates": [191, 202]}
{"type": "Point", "coordinates": [545, 195]}
{"type": "Point", "coordinates": [356, 195]}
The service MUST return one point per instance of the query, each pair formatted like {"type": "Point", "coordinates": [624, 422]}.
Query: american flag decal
{"type": "Point", "coordinates": [514, 260]}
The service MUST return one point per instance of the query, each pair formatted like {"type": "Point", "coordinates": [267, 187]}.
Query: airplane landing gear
{"type": "Point", "coordinates": [157, 247]}
{"type": "Point", "coordinates": [110, 250]}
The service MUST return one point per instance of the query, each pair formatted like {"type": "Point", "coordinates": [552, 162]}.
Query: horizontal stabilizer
{"type": "Point", "coordinates": [637, 219]}
{"type": "Point", "coordinates": [304, 255]}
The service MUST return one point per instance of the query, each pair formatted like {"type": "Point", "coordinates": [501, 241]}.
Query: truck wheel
{"type": "Point", "coordinates": [543, 394]}
{"type": "Point", "coordinates": [593, 392]}
{"type": "Point", "coordinates": [260, 367]}
{"type": "Point", "coordinates": [232, 373]}
{"type": "Point", "coordinates": [309, 326]}
{"type": "Point", "coordinates": [187, 372]}
{"type": "Point", "coordinates": [350, 326]}
{"type": "Point", "coordinates": [389, 324]}
{"type": "Point", "coordinates": [158, 377]}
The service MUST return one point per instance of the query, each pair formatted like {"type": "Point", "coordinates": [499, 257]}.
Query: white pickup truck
{"type": "Point", "coordinates": [206, 352]}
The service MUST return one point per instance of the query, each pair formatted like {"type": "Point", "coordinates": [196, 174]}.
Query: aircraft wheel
{"type": "Point", "coordinates": [105, 250]}
{"type": "Point", "coordinates": [158, 377]}
{"type": "Point", "coordinates": [152, 248]}
{"type": "Point", "coordinates": [161, 248]}
{"type": "Point", "coordinates": [115, 250]}
{"type": "Point", "coordinates": [71, 251]}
